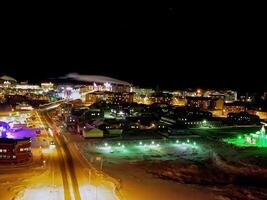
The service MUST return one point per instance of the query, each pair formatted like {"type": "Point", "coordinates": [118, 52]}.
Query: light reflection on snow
{"type": "Point", "coordinates": [57, 193]}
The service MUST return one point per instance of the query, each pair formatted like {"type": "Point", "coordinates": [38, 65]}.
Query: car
{"type": "Point", "coordinates": [52, 145]}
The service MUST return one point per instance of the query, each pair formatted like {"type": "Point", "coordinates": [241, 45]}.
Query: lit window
{"type": "Point", "coordinates": [4, 150]}
{"type": "Point", "coordinates": [21, 149]}
{"type": "Point", "coordinates": [13, 156]}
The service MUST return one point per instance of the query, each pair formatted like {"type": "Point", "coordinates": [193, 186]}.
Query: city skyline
{"type": "Point", "coordinates": [133, 102]}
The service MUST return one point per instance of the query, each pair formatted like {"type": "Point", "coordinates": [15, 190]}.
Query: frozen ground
{"type": "Point", "coordinates": [132, 151]}
{"type": "Point", "coordinates": [166, 169]}
{"type": "Point", "coordinates": [120, 160]}
{"type": "Point", "coordinates": [57, 193]}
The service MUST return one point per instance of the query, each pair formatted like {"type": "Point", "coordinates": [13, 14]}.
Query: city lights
{"type": "Point", "coordinates": [258, 139]}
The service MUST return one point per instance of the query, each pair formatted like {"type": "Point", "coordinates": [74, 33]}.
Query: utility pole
{"type": "Point", "coordinates": [89, 176]}
{"type": "Point", "coordinates": [101, 164]}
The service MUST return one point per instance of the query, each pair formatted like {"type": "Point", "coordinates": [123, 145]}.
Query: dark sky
{"type": "Point", "coordinates": [208, 47]}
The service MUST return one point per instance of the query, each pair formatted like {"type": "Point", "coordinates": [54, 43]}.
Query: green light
{"type": "Point", "coordinates": [106, 144]}
{"type": "Point", "coordinates": [257, 139]}
{"type": "Point", "coordinates": [140, 143]}
{"type": "Point", "coordinates": [152, 142]}
{"type": "Point", "coordinates": [119, 143]}
{"type": "Point", "coordinates": [194, 143]}
{"type": "Point", "coordinates": [177, 141]}
{"type": "Point", "coordinates": [204, 121]}
{"type": "Point", "coordinates": [188, 140]}
{"type": "Point", "coordinates": [123, 146]}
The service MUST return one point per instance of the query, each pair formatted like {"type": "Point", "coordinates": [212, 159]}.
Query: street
{"type": "Point", "coordinates": [68, 165]}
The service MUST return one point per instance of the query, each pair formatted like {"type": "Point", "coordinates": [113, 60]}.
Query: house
{"type": "Point", "coordinates": [91, 132]}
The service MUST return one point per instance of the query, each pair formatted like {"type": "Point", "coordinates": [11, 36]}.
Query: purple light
{"type": "Point", "coordinates": [22, 133]}
{"type": "Point", "coordinates": [18, 133]}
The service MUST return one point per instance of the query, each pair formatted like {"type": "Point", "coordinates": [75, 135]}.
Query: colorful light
{"type": "Point", "coordinates": [257, 139]}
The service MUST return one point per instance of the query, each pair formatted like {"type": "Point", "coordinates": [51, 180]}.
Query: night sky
{"type": "Point", "coordinates": [164, 47]}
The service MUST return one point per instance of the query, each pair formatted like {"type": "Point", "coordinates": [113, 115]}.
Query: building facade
{"type": "Point", "coordinates": [15, 150]}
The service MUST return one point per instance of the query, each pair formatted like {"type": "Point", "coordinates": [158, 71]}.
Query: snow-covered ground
{"type": "Point", "coordinates": [126, 151]}
{"type": "Point", "coordinates": [167, 169]}
{"type": "Point", "coordinates": [119, 159]}
{"type": "Point", "coordinates": [57, 193]}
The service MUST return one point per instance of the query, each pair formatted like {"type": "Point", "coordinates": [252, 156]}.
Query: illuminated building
{"type": "Point", "coordinates": [248, 97]}
{"type": "Point", "coordinates": [68, 92]}
{"type": "Point", "coordinates": [15, 150]}
{"type": "Point", "coordinates": [242, 118]}
{"type": "Point", "coordinates": [47, 86]}
{"type": "Point", "coordinates": [7, 81]}
{"type": "Point", "coordinates": [24, 106]}
{"type": "Point", "coordinates": [184, 117]}
{"type": "Point", "coordinates": [142, 99]}
{"type": "Point", "coordinates": [119, 97]}
{"type": "Point", "coordinates": [143, 91]}
{"type": "Point", "coordinates": [227, 95]}
{"type": "Point", "coordinates": [65, 109]}
{"type": "Point", "coordinates": [161, 98]}
{"type": "Point", "coordinates": [93, 114]}
{"type": "Point", "coordinates": [142, 95]}
{"type": "Point", "coordinates": [15, 145]}
{"type": "Point", "coordinates": [112, 97]}
{"type": "Point", "coordinates": [262, 113]}
{"type": "Point", "coordinates": [219, 104]}
{"type": "Point", "coordinates": [198, 102]}
{"type": "Point", "coordinates": [178, 101]}
{"type": "Point", "coordinates": [234, 107]}
{"type": "Point", "coordinates": [91, 132]}
{"type": "Point", "coordinates": [27, 87]}
{"type": "Point", "coordinates": [90, 98]}
{"type": "Point", "coordinates": [189, 93]}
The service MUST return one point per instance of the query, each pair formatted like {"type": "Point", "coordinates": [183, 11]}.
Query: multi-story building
{"type": "Point", "coordinates": [112, 97]}
{"type": "Point", "coordinates": [227, 95]}
{"type": "Point", "coordinates": [178, 101]}
{"type": "Point", "coordinates": [7, 81]}
{"type": "Point", "coordinates": [161, 98]}
{"type": "Point", "coordinates": [15, 150]}
{"type": "Point", "coordinates": [47, 86]}
{"type": "Point", "coordinates": [243, 118]}
{"type": "Point", "coordinates": [142, 95]}
{"type": "Point", "coordinates": [199, 102]}
{"type": "Point", "coordinates": [234, 107]}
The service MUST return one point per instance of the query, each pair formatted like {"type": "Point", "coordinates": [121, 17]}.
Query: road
{"type": "Point", "coordinates": [67, 164]}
